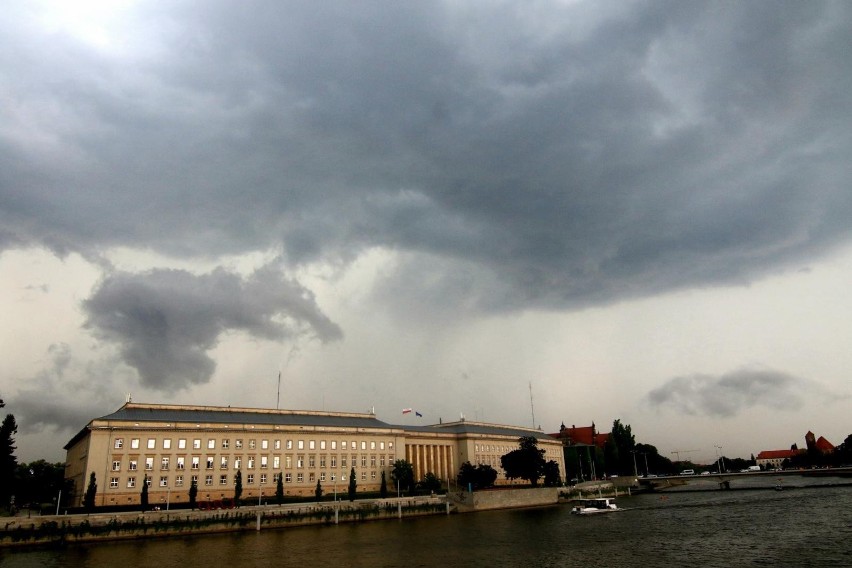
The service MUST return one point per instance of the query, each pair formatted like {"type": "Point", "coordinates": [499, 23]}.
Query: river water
{"type": "Point", "coordinates": [798, 527]}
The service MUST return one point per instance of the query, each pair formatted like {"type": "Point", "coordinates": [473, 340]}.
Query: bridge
{"type": "Point", "coordinates": [742, 478]}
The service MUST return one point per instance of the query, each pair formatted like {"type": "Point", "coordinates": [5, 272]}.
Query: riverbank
{"type": "Point", "coordinates": [52, 530]}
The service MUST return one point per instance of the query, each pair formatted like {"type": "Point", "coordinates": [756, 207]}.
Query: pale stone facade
{"type": "Point", "coordinates": [171, 446]}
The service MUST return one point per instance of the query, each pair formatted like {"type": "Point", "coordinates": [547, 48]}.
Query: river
{"type": "Point", "coordinates": [798, 527]}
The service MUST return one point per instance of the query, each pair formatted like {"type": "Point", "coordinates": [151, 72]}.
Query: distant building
{"type": "Point", "coordinates": [774, 458]}
{"type": "Point", "coordinates": [581, 436]}
{"type": "Point", "coordinates": [173, 446]}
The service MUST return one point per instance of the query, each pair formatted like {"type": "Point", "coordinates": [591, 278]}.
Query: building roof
{"type": "Point", "coordinates": [777, 454]}
{"type": "Point", "coordinates": [188, 414]}
{"type": "Point", "coordinates": [824, 445]}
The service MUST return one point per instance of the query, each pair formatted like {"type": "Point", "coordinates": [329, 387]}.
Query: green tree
{"type": "Point", "coordinates": [551, 474]}
{"type": "Point", "coordinates": [143, 497]}
{"type": "Point", "coordinates": [618, 450]}
{"type": "Point", "coordinates": [430, 483]}
{"type": "Point", "coordinates": [238, 487]}
{"type": "Point", "coordinates": [279, 489]}
{"type": "Point", "coordinates": [40, 482]}
{"type": "Point", "coordinates": [402, 475]}
{"type": "Point", "coordinates": [8, 461]}
{"type": "Point", "coordinates": [353, 484]}
{"type": "Point", "coordinates": [193, 494]}
{"type": "Point", "coordinates": [475, 478]}
{"type": "Point", "coordinates": [527, 462]}
{"type": "Point", "coordinates": [91, 491]}
{"type": "Point", "coordinates": [318, 491]}
{"type": "Point", "coordinates": [383, 488]}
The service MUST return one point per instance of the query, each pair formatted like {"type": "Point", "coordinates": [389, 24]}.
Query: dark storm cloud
{"type": "Point", "coordinates": [537, 155]}
{"type": "Point", "coordinates": [730, 394]}
{"type": "Point", "coordinates": [165, 321]}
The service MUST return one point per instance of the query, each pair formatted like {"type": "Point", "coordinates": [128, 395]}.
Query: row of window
{"type": "Point", "coordinates": [251, 462]}
{"type": "Point", "coordinates": [225, 480]}
{"type": "Point", "coordinates": [166, 444]}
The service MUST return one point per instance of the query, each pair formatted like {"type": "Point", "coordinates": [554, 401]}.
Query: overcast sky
{"type": "Point", "coordinates": [526, 213]}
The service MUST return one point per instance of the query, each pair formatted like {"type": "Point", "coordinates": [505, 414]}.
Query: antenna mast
{"type": "Point", "coordinates": [532, 408]}
{"type": "Point", "coordinates": [278, 397]}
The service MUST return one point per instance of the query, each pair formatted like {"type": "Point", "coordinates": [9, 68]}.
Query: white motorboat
{"type": "Point", "coordinates": [594, 506]}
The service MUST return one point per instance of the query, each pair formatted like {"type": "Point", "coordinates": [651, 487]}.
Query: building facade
{"type": "Point", "coordinates": [168, 447]}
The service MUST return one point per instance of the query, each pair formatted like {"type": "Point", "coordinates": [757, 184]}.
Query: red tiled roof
{"type": "Point", "coordinates": [824, 445]}
{"type": "Point", "coordinates": [777, 454]}
{"type": "Point", "coordinates": [582, 435]}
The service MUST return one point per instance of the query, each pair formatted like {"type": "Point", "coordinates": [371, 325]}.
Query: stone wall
{"type": "Point", "coordinates": [506, 499]}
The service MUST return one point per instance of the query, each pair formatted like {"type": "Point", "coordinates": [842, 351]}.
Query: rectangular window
{"type": "Point", "coordinates": [238, 444]}
{"type": "Point", "coordinates": [322, 461]}
{"type": "Point", "coordinates": [333, 476]}
{"type": "Point", "coordinates": [178, 481]}
{"type": "Point", "coordinates": [322, 476]}
{"type": "Point", "coordinates": [164, 463]}
{"type": "Point", "coordinates": [343, 461]}
{"type": "Point", "coordinates": [333, 461]}
{"type": "Point", "coordinates": [372, 445]}
{"type": "Point", "coordinates": [195, 461]}
{"type": "Point", "coordinates": [164, 481]}
{"type": "Point", "coordinates": [119, 443]}
{"type": "Point", "coordinates": [364, 460]}
{"type": "Point", "coordinates": [311, 477]}
{"type": "Point", "coordinates": [301, 444]}
{"type": "Point", "coordinates": [131, 482]}
{"type": "Point", "coordinates": [208, 480]}
{"type": "Point", "coordinates": [312, 445]}
{"type": "Point", "coordinates": [288, 478]}
{"type": "Point", "coordinates": [390, 445]}
{"type": "Point", "coordinates": [211, 444]}
{"type": "Point", "coordinates": [167, 444]}
{"type": "Point", "coordinates": [363, 445]}
{"type": "Point", "coordinates": [322, 444]}
{"type": "Point", "coordinates": [264, 462]}
{"type": "Point", "coordinates": [194, 479]}
{"type": "Point", "coordinates": [251, 462]}
{"type": "Point", "coordinates": [289, 444]}
{"type": "Point", "coordinates": [225, 443]}
{"type": "Point", "coordinates": [276, 462]}
{"type": "Point", "coordinates": [250, 478]}
{"type": "Point", "coordinates": [113, 483]}
{"type": "Point", "coordinates": [382, 460]}
{"type": "Point", "coordinates": [223, 462]}
{"type": "Point", "coordinates": [381, 445]}
{"type": "Point", "coordinates": [312, 461]}
{"type": "Point", "coordinates": [343, 445]}
{"type": "Point", "coordinates": [223, 479]}
{"type": "Point", "coordinates": [288, 462]}
{"type": "Point", "coordinates": [277, 444]}
{"type": "Point", "coordinates": [149, 464]}
{"type": "Point", "coordinates": [152, 443]}
{"type": "Point", "coordinates": [132, 465]}
{"type": "Point", "coordinates": [300, 462]}
{"type": "Point", "coordinates": [251, 444]}
{"type": "Point", "coordinates": [363, 476]}
{"type": "Point", "coordinates": [373, 475]}
{"type": "Point", "coordinates": [238, 461]}
{"type": "Point", "coordinates": [182, 444]}
{"type": "Point", "coordinates": [264, 444]}
{"type": "Point", "coordinates": [196, 444]}
{"type": "Point", "coordinates": [372, 461]}
{"type": "Point", "coordinates": [263, 478]}
{"type": "Point", "coordinates": [334, 444]}
{"type": "Point", "coordinates": [134, 443]}
{"type": "Point", "coordinates": [209, 462]}
{"type": "Point", "coordinates": [300, 477]}
{"type": "Point", "coordinates": [116, 465]}
{"type": "Point", "coordinates": [148, 482]}
{"type": "Point", "coordinates": [180, 462]}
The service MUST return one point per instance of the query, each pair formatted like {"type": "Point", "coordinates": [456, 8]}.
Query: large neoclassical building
{"type": "Point", "coordinates": [173, 445]}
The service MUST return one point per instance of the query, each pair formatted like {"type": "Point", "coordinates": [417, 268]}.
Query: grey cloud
{"type": "Point", "coordinates": [732, 393]}
{"type": "Point", "coordinates": [556, 157]}
{"type": "Point", "coordinates": [165, 321]}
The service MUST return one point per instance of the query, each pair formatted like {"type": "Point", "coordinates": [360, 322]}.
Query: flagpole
{"type": "Point", "coordinates": [278, 396]}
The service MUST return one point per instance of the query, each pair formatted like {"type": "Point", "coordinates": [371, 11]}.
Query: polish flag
{"type": "Point", "coordinates": [406, 410]}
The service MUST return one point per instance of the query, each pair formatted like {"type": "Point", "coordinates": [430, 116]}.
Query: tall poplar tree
{"type": "Point", "coordinates": [8, 461]}
{"type": "Point", "coordinates": [353, 484]}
